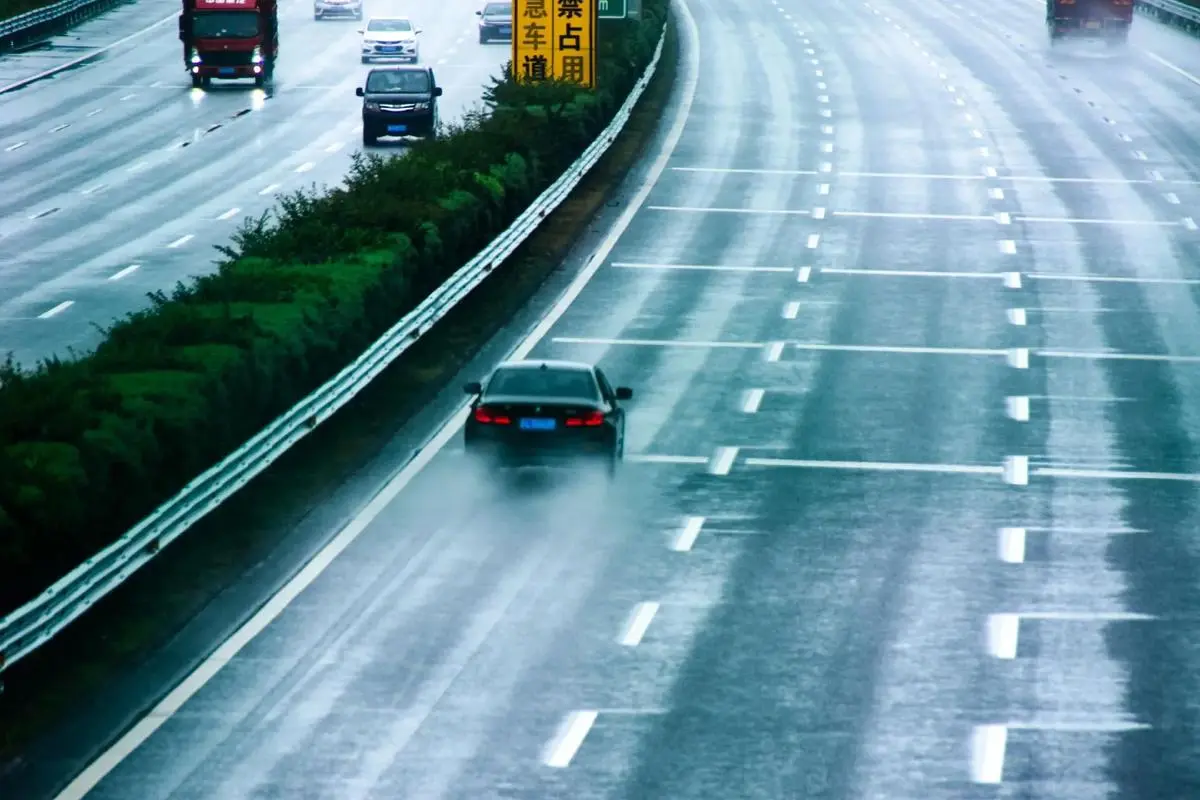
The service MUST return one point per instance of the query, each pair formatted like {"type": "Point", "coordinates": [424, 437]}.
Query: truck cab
{"type": "Point", "coordinates": [229, 39]}
{"type": "Point", "coordinates": [1093, 19]}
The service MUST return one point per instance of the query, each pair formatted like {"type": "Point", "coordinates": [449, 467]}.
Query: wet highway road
{"type": "Point", "coordinates": [911, 321]}
{"type": "Point", "coordinates": [117, 178]}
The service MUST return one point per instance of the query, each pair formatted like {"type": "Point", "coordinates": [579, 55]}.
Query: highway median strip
{"type": "Point", "coordinates": [199, 566]}
{"type": "Point", "coordinates": [92, 445]}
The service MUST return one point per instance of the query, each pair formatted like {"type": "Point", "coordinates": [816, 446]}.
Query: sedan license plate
{"type": "Point", "coordinates": [506, 31]}
{"type": "Point", "coordinates": [225, 70]}
{"type": "Point", "coordinates": [401, 129]}
{"type": "Point", "coordinates": [1093, 25]}
{"type": "Point", "coordinates": [390, 49]}
{"type": "Point", "coordinates": [537, 424]}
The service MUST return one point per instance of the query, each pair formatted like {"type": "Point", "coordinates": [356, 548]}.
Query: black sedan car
{"type": "Point", "coordinates": [546, 413]}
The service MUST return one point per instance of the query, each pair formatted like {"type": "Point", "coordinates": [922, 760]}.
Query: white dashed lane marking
{"type": "Point", "coordinates": [58, 309]}
{"type": "Point", "coordinates": [123, 273]}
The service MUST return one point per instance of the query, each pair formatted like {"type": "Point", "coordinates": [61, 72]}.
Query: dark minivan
{"type": "Point", "coordinates": [399, 101]}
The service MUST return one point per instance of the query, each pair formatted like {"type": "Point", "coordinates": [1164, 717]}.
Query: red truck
{"type": "Point", "coordinates": [229, 39]}
{"type": "Point", "coordinates": [1096, 19]}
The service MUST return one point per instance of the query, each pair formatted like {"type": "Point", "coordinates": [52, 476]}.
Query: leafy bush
{"type": "Point", "coordinates": [89, 447]}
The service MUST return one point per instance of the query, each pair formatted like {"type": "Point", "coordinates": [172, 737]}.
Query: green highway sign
{"type": "Point", "coordinates": [613, 9]}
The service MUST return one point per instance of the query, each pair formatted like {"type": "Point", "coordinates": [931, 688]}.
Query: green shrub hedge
{"type": "Point", "coordinates": [89, 447]}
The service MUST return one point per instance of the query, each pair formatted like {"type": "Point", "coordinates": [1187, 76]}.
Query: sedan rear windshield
{"type": "Point", "coordinates": [389, 25]}
{"type": "Point", "coordinates": [497, 10]}
{"type": "Point", "coordinates": [543, 383]}
{"type": "Point", "coordinates": [398, 82]}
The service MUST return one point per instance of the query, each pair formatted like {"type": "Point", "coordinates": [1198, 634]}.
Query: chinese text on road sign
{"type": "Point", "coordinates": [555, 39]}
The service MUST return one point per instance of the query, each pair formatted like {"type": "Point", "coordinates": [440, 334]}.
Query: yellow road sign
{"type": "Point", "coordinates": [555, 39]}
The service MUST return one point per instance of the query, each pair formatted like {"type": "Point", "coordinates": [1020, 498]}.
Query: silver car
{"type": "Point", "coordinates": [337, 8]}
{"type": "Point", "coordinates": [495, 22]}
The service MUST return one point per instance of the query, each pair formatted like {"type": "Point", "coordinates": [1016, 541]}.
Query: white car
{"type": "Point", "coordinates": [390, 37]}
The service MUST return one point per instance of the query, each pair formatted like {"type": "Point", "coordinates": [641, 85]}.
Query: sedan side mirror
{"type": "Point", "coordinates": [474, 387]}
{"type": "Point", "coordinates": [479, 13]}
{"type": "Point", "coordinates": [437, 91]}
{"type": "Point", "coordinates": [624, 393]}
{"type": "Point", "coordinates": [359, 91]}
{"type": "Point", "coordinates": [360, 30]}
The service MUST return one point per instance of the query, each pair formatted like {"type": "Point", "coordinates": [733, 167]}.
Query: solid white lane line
{"type": "Point", "coordinates": [653, 342]}
{"type": "Point", "coordinates": [1012, 545]}
{"type": "Point", "coordinates": [661, 458]}
{"type": "Point", "coordinates": [58, 309]}
{"type": "Point", "coordinates": [988, 743]}
{"type": "Point", "coordinates": [570, 738]}
{"type": "Point", "coordinates": [1002, 633]}
{"type": "Point", "coordinates": [733, 171]}
{"type": "Point", "coordinates": [638, 624]}
{"type": "Point", "coordinates": [867, 348]}
{"type": "Point", "coordinates": [1107, 356]}
{"type": "Point", "coordinates": [915, 215]}
{"type": "Point", "coordinates": [1177, 70]}
{"type": "Point", "coordinates": [1087, 616]}
{"type": "Point", "coordinates": [722, 460]}
{"type": "Point", "coordinates": [1082, 221]}
{"type": "Point", "coordinates": [1046, 276]}
{"type": "Point", "coordinates": [687, 534]}
{"type": "Point", "coordinates": [874, 466]}
{"type": "Point", "coordinates": [128, 270]}
{"type": "Point", "coordinates": [752, 400]}
{"type": "Point", "coordinates": [699, 267]}
{"type": "Point", "coordinates": [1114, 475]}
{"type": "Point", "coordinates": [16, 146]}
{"type": "Point", "coordinates": [1100, 725]}
{"type": "Point", "coordinates": [714, 210]}
{"type": "Point", "coordinates": [911, 273]}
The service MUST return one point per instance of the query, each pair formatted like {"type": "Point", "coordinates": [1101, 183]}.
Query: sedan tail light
{"type": "Point", "coordinates": [489, 416]}
{"type": "Point", "coordinates": [588, 420]}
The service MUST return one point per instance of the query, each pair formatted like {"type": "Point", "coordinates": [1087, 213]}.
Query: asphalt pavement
{"type": "Point", "coordinates": [911, 477]}
{"type": "Point", "coordinates": [118, 179]}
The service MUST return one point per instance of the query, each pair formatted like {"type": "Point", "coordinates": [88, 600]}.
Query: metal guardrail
{"type": "Point", "coordinates": [59, 12]}
{"type": "Point", "coordinates": [35, 623]}
{"type": "Point", "coordinates": [1172, 8]}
